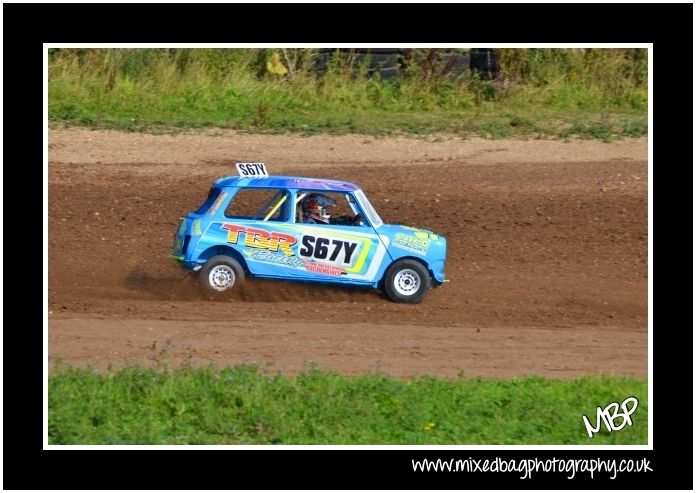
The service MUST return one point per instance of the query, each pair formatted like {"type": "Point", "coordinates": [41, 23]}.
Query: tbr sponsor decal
{"type": "Point", "coordinates": [196, 227]}
{"type": "Point", "coordinates": [259, 238]}
{"type": "Point", "coordinates": [412, 243]}
{"type": "Point", "coordinates": [274, 258]}
{"type": "Point", "coordinates": [216, 205]}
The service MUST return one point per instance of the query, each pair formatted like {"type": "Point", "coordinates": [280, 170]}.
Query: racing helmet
{"type": "Point", "coordinates": [316, 205]}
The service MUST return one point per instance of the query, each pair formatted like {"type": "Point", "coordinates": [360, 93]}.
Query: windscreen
{"type": "Point", "coordinates": [369, 210]}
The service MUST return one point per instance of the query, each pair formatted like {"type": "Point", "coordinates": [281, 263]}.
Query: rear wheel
{"type": "Point", "coordinates": [407, 281]}
{"type": "Point", "coordinates": [220, 274]}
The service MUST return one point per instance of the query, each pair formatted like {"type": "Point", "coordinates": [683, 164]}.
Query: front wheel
{"type": "Point", "coordinates": [407, 281]}
{"type": "Point", "coordinates": [220, 274]}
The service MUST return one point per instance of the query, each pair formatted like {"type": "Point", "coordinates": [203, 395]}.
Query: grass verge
{"type": "Point", "coordinates": [554, 93]}
{"type": "Point", "coordinates": [242, 405]}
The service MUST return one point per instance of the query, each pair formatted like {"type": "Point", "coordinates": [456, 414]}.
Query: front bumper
{"type": "Point", "coordinates": [437, 269]}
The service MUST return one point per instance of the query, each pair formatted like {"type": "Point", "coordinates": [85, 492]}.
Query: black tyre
{"type": "Point", "coordinates": [220, 274]}
{"type": "Point", "coordinates": [390, 73]}
{"type": "Point", "coordinates": [483, 61]}
{"type": "Point", "coordinates": [407, 281]}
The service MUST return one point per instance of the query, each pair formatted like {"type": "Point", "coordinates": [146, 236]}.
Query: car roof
{"type": "Point", "coordinates": [286, 182]}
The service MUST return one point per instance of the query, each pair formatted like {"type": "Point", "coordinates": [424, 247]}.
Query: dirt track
{"type": "Point", "coordinates": [547, 257]}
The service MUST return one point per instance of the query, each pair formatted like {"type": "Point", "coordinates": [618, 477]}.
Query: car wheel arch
{"type": "Point", "coordinates": [223, 250]}
{"type": "Point", "coordinates": [405, 257]}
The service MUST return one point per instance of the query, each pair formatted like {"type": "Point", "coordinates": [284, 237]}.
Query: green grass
{"type": "Point", "coordinates": [596, 94]}
{"type": "Point", "coordinates": [242, 405]}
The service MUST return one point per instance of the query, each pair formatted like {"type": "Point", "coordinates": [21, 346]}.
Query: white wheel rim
{"type": "Point", "coordinates": [407, 282]}
{"type": "Point", "coordinates": [221, 277]}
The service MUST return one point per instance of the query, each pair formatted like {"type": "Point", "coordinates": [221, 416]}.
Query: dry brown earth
{"type": "Point", "coordinates": [547, 256]}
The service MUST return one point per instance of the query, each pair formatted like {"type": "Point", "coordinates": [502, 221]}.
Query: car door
{"type": "Point", "coordinates": [351, 254]}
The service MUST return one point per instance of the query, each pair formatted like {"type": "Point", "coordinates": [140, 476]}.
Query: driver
{"type": "Point", "coordinates": [315, 210]}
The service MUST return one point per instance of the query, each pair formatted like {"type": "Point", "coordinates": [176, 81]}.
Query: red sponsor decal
{"type": "Point", "coordinates": [331, 270]}
{"type": "Point", "coordinates": [260, 238]}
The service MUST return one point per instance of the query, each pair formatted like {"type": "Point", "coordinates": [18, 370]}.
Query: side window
{"type": "Point", "coordinates": [319, 207]}
{"type": "Point", "coordinates": [259, 203]}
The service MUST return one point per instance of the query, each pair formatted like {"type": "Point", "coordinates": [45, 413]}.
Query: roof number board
{"type": "Point", "coordinates": [251, 170]}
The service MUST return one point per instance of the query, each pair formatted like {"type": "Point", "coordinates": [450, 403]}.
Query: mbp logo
{"type": "Point", "coordinates": [610, 413]}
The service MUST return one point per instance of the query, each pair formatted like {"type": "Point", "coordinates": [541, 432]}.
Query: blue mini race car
{"type": "Point", "coordinates": [304, 229]}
